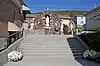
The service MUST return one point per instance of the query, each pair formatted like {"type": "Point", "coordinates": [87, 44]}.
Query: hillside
{"type": "Point", "coordinates": [71, 13]}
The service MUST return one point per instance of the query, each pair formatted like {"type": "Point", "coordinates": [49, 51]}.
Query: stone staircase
{"type": "Point", "coordinates": [76, 47]}
{"type": "Point", "coordinates": [45, 46]}
{"type": "Point", "coordinates": [51, 46]}
{"type": "Point", "coordinates": [51, 50]}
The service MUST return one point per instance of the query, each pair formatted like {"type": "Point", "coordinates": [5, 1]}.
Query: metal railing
{"type": "Point", "coordinates": [14, 37]}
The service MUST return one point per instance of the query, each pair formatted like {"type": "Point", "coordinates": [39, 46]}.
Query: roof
{"type": "Point", "coordinates": [97, 8]}
{"type": "Point", "coordinates": [25, 8]}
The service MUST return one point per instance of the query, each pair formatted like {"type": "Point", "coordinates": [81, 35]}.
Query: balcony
{"type": "Point", "coordinates": [14, 37]}
{"type": "Point", "coordinates": [11, 40]}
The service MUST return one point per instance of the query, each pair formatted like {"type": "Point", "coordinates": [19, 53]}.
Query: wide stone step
{"type": "Point", "coordinates": [77, 51]}
{"type": "Point", "coordinates": [49, 43]}
{"type": "Point", "coordinates": [78, 45]}
{"type": "Point", "coordinates": [42, 48]}
{"type": "Point", "coordinates": [48, 51]}
{"type": "Point", "coordinates": [77, 48]}
{"type": "Point", "coordinates": [46, 46]}
{"type": "Point", "coordinates": [30, 41]}
{"type": "Point", "coordinates": [46, 54]}
{"type": "Point", "coordinates": [52, 48]}
{"type": "Point", "coordinates": [78, 54]}
{"type": "Point", "coordinates": [78, 57]}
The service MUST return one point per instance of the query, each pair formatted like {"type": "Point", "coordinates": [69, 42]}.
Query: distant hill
{"type": "Point", "coordinates": [71, 13]}
{"type": "Point", "coordinates": [67, 12]}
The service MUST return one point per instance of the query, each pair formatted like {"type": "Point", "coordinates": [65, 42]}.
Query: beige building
{"type": "Point", "coordinates": [11, 20]}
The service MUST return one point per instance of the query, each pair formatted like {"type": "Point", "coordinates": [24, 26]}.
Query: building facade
{"type": "Point", "coordinates": [11, 20]}
{"type": "Point", "coordinates": [93, 19]}
{"type": "Point", "coordinates": [80, 20]}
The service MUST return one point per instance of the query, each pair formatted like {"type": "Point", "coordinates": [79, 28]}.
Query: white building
{"type": "Point", "coordinates": [93, 19]}
{"type": "Point", "coordinates": [80, 20]}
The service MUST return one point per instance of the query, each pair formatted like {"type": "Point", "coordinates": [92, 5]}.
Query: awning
{"type": "Point", "coordinates": [12, 27]}
{"type": "Point", "coordinates": [25, 8]}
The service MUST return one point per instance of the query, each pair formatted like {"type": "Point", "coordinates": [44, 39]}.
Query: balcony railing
{"type": "Point", "coordinates": [14, 37]}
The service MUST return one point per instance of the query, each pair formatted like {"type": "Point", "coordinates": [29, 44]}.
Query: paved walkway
{"type": "Point", "coordinates": [51, 50]}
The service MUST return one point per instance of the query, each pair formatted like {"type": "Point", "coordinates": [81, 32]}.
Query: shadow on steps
{"type": "Point", "coordinates": [76, 47]}
{"type": "Point", "coordinates": [77, 50]}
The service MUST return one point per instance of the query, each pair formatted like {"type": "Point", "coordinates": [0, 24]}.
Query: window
{"type": "Point", "coordinates": [81, 17]}
{"type": "Point", "coordinates": [82, 22]}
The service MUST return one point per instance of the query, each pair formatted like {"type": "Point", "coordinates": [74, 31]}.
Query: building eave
{"type": "Point", "coordinates": [25, 8]}
{"type": "Point", "coordinates": [97, 8]}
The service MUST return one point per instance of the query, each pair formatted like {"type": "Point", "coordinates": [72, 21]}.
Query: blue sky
{"type": "Point", "coordinates": [40, 5]}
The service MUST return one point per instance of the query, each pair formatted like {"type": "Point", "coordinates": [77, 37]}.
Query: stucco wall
{"type": "Point", "coordinates": [66, 21]}
{"type": "Point", "coordinates": [3, 28]}
{"type": "Point", "coordinates": [25, 26]}
{"type": "Point", "coordinates": [10, 12]}
{"type": "Point", "coordinates": [6, 10]}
